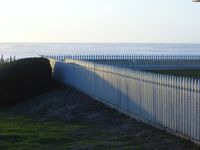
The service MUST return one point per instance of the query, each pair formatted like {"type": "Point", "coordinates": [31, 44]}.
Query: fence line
{"type": "Point", "coordinates": [155, 57]}
{"type": "Point", "coordinates": [165, 101]}
{"type": "Point", "coordinates": [139, 62]}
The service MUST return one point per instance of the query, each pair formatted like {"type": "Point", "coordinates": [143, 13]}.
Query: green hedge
{"type": "Point", "coordinates": [23, 79]}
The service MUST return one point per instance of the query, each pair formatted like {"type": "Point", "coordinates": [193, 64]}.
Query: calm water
{"type": "Point", "coordinates": [34, 49]}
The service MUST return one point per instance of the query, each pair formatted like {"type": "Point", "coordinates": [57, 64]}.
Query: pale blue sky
{"type": "Point", "coordinates": [129, 21]}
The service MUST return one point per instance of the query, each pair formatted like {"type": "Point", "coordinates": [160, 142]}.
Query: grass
{"type": "Point", "coordinates": [186, 73]}
{"type": "Point", "coordinates": [22, 133]}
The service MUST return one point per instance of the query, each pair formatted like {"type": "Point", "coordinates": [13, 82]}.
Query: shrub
{"type": "Point", "coordinates": [8, 59]}
{"type": "Point", "coordinates": [23, 79]}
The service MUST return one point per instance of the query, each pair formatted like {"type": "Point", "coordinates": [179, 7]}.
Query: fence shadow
{"type": "Point", "coordinates": [167, 102]}
{"type": "Point", "coordinates": [109, 88]}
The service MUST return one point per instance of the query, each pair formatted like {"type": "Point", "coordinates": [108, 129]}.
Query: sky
{"type": "Point", "coordinates": [94, 21]}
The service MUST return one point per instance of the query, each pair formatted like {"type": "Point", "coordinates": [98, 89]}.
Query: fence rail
{"type": "Point", "coordinates": [125, 57]}
{"type": "Point", "coordinates": [165, 101]}
{"type": "Point", "coordinates": [139, 62]}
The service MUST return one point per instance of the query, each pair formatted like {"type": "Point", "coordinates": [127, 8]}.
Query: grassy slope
{"type": "Point", "coordinates": [21, 133]}
{"type": "Point", "coordinates": [83, 124]}
{"type": "Point", "coordinates": [186, 73]}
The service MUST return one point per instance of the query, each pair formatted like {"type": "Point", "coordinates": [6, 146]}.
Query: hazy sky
{"type": "Point", "coordinates": [176, 21]}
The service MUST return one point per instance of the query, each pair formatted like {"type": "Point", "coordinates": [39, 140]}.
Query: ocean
{"type": "Point", "coordinates": [22, 50]}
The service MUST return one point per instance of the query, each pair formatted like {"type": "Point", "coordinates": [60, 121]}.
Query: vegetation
{"type": "Point", "coordinates": [41, 124]}
{"type": "Point", "coordinates": [21, 133]}
{"type": "Point", "coordinates": [24, 78]}
{"type": "Point", "coordinates": [67, 119]}
{"type": "Point", "coordinates": [9, 59]}
{"type": "Point", "coordinates": [185, 73]}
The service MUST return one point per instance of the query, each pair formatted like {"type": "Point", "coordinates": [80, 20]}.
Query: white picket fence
{"type": "Point", "coordinates": [139, 62]}
{"type": "Point", "coordinates": [165, 101]}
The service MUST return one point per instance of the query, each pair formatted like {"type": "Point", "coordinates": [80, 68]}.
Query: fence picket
{"type": "Point", "coordinates": [170, 102]}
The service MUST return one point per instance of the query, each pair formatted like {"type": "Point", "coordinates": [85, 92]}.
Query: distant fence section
{"type": "Point", "coordinates": [165, 101]}
{"type": "Point", "coordinates": [139, 62]}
